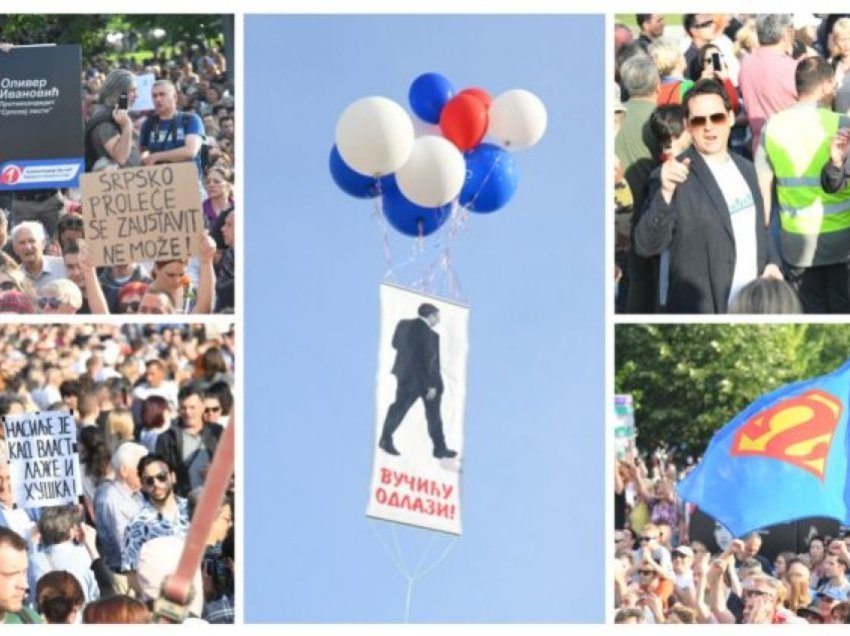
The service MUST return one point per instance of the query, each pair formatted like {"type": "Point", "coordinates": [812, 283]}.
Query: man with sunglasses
{"type": "Point", "coordinates": [701, 29]}
{"type": "Point", "coordinates": [163, 515]}
{"type": "Point", "coordinates": [651, 552]}
{"type": "Point", "coordinates": [705, 207]}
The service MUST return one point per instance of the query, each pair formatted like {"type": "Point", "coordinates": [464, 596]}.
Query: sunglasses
{"type": "Point", "coordinates": [702, 25]}
{"type": "Point", "coordinates": [53, 303]}
{"type": "Point", "coordinates": [159, 477]}
{"type": "Point", "coordinates": [8, 285]}
{"type": "Point", "coordinates": [677, 555]}
{"type": "Point", "coordinates": [130, 308]}
{"type": "Point", "coordinates": [646, 572]}
{"type": "Point", "coordinates": [150, 310]}
{"type": "Point", "coordinates": [642, 539]}
{"type": "Point", "coordinates": [212, 409]}
{"type": "Point", "coordinates": [702, 120]}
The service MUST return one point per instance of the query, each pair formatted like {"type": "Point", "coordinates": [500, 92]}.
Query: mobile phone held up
{"type": "Point", "coordinates": [715, 62]}
{"type": "Point", "coordinates": [122, 101]}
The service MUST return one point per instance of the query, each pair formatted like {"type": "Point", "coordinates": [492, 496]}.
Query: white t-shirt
{"type": "Point", "coordinates": [742, 210]}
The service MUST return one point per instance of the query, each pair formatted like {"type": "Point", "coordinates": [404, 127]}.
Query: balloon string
{"type": "Point", "coordinates": [485, 180]}
{"type": "Point", "coordinates": [385, 235]}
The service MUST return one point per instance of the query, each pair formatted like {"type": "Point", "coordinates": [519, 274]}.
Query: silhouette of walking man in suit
{"type": "Point", "coordinates": [417, 371]}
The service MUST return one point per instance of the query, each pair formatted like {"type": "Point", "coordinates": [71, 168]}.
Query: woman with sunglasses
{"type": "Point", "coordinates": [60, 296]}
{"type": "Point", "coordinates": [708, 70]}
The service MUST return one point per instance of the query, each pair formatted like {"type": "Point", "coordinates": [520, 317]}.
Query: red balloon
{"type": "Point", "coordinates": [464, 121]}
{"type": "Point", "coordinates": [480, 93]}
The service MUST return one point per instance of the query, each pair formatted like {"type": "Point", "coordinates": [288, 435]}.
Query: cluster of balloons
{"type": "Point", "coordinates": [377, 152]}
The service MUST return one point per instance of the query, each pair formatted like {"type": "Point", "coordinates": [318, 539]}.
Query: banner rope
{"type": "Point", "coordinates": [423, 568]}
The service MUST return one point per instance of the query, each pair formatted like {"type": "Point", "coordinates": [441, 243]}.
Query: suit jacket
{"type": "Point", "coordinates": [697, 228]}
{"type": "Point", "coordinates": [417, 361]}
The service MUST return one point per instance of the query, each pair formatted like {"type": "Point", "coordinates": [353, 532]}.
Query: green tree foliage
{"type": "Point", "coordinates": [90, 31]}
{"type": "Point", "coordinates": [87, 30]}
{"type": "Point", "coordinates": [689, 380]}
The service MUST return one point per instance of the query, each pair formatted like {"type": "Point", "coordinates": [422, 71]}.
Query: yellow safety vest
{"type": "Point", "coordinates": [815, 224]}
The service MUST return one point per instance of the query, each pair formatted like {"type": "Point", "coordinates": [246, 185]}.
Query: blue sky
{"type": "Point", "coordinates": [533, 275]}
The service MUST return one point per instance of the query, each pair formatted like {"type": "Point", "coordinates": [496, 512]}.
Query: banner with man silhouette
{"type": "Point", "coordinates": [421, 392]}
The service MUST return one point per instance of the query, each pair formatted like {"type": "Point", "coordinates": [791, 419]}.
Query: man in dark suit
{"type": "Point", "coordinates": [705, 208]}
{"type": "Point", "coordinates": [417, 371]}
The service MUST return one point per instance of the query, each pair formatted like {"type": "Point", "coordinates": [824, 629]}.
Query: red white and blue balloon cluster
{"type": "Point", "coordinates": [421, 179]}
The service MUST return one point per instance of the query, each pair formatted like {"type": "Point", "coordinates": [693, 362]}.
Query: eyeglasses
{"type": "Point", "coordinates": [8, 285]}
{"type": "Point", "coordinates": [44, 302]}
{"type": "Point", "coordinates": [129, 308]}
{"type": "Point", "coordinates": [212, 409]}
{"type": "Point", "coordinates": [160, 477]}
{"type": "Point", "coordinates": [701, 120]}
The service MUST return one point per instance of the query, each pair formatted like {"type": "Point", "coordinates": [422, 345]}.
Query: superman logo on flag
{"type": "Point", "coordinates": [785, 457]}
{"type": "Point", "coordinates": [798, 430]}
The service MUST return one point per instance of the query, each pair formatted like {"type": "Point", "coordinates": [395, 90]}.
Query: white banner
{"type": "Point", "coordinates": [421, 395]}
{"type": "Point", "coordinates": [44, 464]}
{"type": "Point", "coordinates": [144, 86]}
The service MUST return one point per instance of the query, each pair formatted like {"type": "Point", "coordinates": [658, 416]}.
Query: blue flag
{"type": "Point", "coordinates": [785, 457]}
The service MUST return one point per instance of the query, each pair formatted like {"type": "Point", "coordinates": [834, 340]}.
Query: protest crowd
{"type": "Point", "coordinates": [187, 118]}
{"type": "Point", "coordinates": [731, 169]}
{"type": "Point", "coordinates": [662, 574]}
{"type": "Point", "coordinates": [150, 403]}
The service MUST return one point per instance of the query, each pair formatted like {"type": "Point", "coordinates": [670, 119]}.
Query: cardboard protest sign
{"type": "Point", "coordinates": [44, 464]}
{"type": "Point", "coordinates": [420, 402]}
{"type": "Point", "coordinates": [41, 117]}
{"type": "Point", "coordinates": [142, 214]}
{"type": "Point", "coordinates": [144, 86]}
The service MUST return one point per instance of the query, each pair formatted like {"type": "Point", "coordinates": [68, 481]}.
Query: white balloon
{"type": "Point", "coordinates": [434, 174]}
{"type": "Point", "coordinates": [374, 136]}
{"type": "Point", "coordinates": [517, 119]}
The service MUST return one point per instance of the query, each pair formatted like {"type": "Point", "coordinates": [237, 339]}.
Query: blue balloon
{"type": "Point", "coordinates": [409, 218]}
{"type": "Point", "coordinates": [428, 94]}
{"type": "Point", "coordinates": [351, 182]}
{"type": "Point", "coordinates": [491, 179]}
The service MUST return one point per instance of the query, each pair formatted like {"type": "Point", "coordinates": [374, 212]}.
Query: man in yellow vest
{"type": "Point", "coordinates": [815, 225]}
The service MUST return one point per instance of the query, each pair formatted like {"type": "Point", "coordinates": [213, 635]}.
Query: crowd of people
{"type": "Point", "coordinates": [151, 403]}
{"type": "Point", "coordinates": [192, 120]}
{"type": "Point", "coordinates": [662, 574]}
{"type": "Point", "coordinates": [731, 165]}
